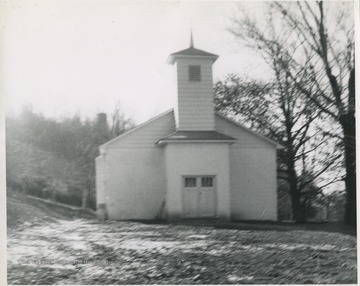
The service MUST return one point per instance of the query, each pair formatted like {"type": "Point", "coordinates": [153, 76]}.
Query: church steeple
{"type": "Point", "coordinates": [195, 100]}
{"type": "Point", "coordinates": [191, 39]}
{"type": "Point", "coordinates": [191, 52]}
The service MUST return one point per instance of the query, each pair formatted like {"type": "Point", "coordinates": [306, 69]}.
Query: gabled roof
{"type": "Point", "coordinates": [197, 137]}
{"type": "Point", "coordinates": [277, 145]}
{"type": "Point", "coordinates": [135, 128]}
{"type": "Point", "coordinates": [191, 52]}
{"type": "Point", "coordinates": [194, 136]}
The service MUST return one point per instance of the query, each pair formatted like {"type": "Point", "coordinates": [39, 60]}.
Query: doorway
{"type": "Point", "coordinates": [199, 197]}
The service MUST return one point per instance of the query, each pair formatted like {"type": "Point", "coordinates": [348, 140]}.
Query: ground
{"type": "Point", "coordinates": [48, 249]}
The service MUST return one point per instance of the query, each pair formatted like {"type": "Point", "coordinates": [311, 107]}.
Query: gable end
{"type": "Point", "coordinates": [104, 146]}
{"type": "Point", "coordinates": [258, 135]}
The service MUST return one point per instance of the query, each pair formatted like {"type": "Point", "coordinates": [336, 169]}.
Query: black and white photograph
{"type": "Point", "coordinates": [178, 142]}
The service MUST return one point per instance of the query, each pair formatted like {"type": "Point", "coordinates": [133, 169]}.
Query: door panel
{"type": "Point", "coordinates": [190, 202]}
{"type": "Point", "coordinates": [207, 202]}
{"type": "Point", "coordinates": [207, 206]}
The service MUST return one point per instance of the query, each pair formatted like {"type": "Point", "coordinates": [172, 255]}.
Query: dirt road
{"type": "Point", "coordinates": [89, 252]}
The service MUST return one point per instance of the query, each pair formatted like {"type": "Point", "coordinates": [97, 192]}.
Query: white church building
{"type": "Point", "coordinates": [189, 162]}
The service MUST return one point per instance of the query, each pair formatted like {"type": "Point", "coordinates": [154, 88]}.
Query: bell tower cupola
{"type": "Point", "coordinates": [194, 110]}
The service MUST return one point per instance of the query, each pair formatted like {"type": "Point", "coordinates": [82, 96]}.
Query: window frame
{"type": "Point", "coordinates": [190, 179]}
{"type": "Point", "coordinates": [199, 179]}
{"type": "Point", "coordinates": [205, 180]}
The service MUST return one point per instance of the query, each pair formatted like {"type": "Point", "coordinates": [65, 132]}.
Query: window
{"type": "Point", "coordinates": [194, 73]}
{"type": "Point", "coordinates": [190, 182]}
{"type": "Point", "coordinates": [199, 182]}
{"type": "Point", "coordinates": [206, 181]}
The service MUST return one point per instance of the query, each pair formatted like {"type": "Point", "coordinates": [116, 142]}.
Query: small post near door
{"type": "Point", "coordinates": [199, 197]}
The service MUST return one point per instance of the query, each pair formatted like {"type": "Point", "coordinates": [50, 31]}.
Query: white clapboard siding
{"type": "Point", "coordinates": [252, 173]}
{"type": "Point", "coordinates": [100, 179]}
{"type": "Point", "coordinates": [253, 184]}
{"type": "Point", "coordinates": [147, 135]}
{"type": "Point", "coordinates": [135, 182]}
{"type": "Point", "coordinates": [195, 103]}
{"type": "Point", "coordinates": [246, 138]}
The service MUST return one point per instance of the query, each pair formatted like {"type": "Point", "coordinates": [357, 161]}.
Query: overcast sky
{"type": "Point", "coordinates": [66, 57]}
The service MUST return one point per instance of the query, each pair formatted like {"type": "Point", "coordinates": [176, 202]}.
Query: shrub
{"type": "Point", "coordinates": [13, 184]}
{"type": "Point", "coordinates": [46, 188]}
{"type": "Point", "coordinates": [73, 196]}
{"type": "Point", "coordinates": [34, 186]}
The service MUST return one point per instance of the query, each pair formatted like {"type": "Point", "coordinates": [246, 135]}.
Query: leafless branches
{"type": "Point", "coordinates": [310, 49]}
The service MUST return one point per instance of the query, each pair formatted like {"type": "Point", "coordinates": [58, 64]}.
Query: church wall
{"type": "Point", "coordinates": [246, 138]}
{"type": "Point", "coordinates": [253, 184]}
{"type": "Point", "coordinates": [100, 179]}
{"type": "Point", "coordinates": [252, 174]}
{"type": "Point", "coordinates": [136, 183]}
{"type": "Point", "coordinates": [146, 135]}
{"type": "Point", "coordinates": [197, 159]}
{"type": "Point", "coordinates": [134, 168]}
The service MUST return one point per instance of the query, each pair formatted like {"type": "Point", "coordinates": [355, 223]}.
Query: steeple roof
{"type": "Point", "coordinates": [191, 52]}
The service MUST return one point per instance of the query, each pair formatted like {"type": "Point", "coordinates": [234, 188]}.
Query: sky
{"type": "Point", "coordinates": [67, 57]}
{"type": "Point", "coordinates": [83, 57]}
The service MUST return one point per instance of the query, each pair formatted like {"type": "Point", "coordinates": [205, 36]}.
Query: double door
{"type": "Point", "coordinates": [199, 197]}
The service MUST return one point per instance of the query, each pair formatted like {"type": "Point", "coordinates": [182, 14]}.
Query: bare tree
{"type": "Point", "coordinates": [328, 43]}
{"type": "Point", "coordinates": [279, 112]}
{"type": "Point", "coordinates": [119, 123]}
{"type": "Point", "coordinates": [311, 45]}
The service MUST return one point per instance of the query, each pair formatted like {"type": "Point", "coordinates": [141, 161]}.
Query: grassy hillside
{"type": "Point", "coordinates": [21, 213]}
{"type": "Point", "coordinates": [25, 159]}
{"type": "Point", "coordinates": [52, 159]}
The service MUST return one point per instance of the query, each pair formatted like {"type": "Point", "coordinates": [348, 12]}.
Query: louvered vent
{"type": "Point", "coordinates": [194, 73]}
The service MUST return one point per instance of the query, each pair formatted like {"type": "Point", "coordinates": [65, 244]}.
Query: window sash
{"type": "Point", "coordinates": [190, 182]}
{"type": "Point", "coordinates": [207, 182]}
{"type": "Point", "coordinates": [199, 181]}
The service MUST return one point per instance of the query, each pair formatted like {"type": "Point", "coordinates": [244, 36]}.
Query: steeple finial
{"type": "Point", "coordinates": [191, 39]}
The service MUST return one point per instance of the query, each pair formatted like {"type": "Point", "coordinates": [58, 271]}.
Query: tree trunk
{"type": "Point", "coordinates": [327, 208]}
{"type": "Point", "coordinates": [297, 209]}
{"type": "Point", "coordinates": [348, 125]}
{"type": "Point", "coordinates": [296, 206]}
{"type": "Point", "coordinates": [347, 122]}
{"type": "Point", "coordinates": [85, 198]}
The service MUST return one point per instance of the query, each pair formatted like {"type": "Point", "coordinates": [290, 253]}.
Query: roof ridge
{"type": "Point", "coordinates": [191, 52]}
